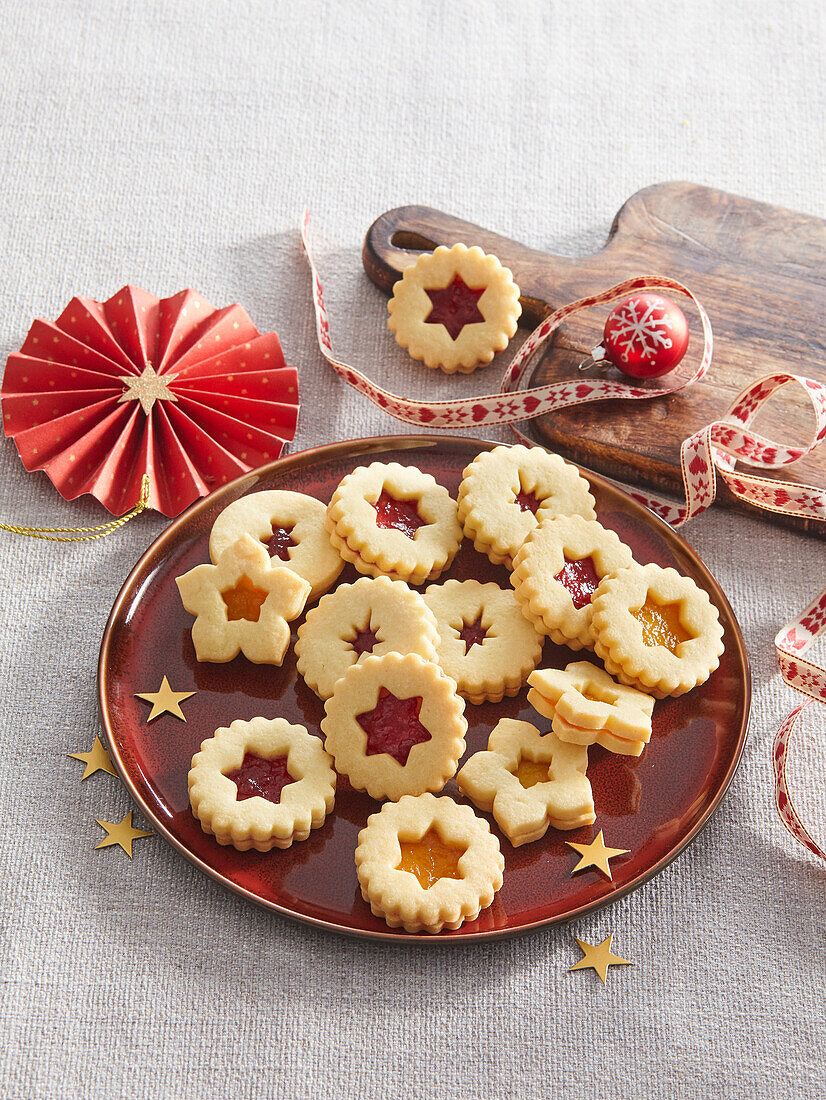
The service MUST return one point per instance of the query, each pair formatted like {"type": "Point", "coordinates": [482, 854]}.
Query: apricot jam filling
{"type": "Point", "coordinates": [455, 306]}
{"type": "Point", "coordinates": [472, 633]}
{"type": "Point", "coordinates": [279, 542]}
{"type": "Point", "coordinates": [393, 726]}
{"type": "Point", "coordinates": [430, 859]}
{"type": "Point", "coordinates": [531, 772]}
{"type": "Point", "coordinates": [258, 776]}
{"type": "Point", "coordinates": [244, 600]}
{"type": "Point", "coordinates": [398, 515]}
{"type": "Point", "coordinates": [661, 625]}
{"type": "Point", "coordinates": [580, 577]}
{"type": "Point", "coordinates": [364, 640]}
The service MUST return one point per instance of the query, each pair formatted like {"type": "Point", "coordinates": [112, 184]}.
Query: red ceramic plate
{"type": "Point", "coordinates": [653, 805]}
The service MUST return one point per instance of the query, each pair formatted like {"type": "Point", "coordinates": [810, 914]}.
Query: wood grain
{"type": "Point", "coordinates": [759, 270]}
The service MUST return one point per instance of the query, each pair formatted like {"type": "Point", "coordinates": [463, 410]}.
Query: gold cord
{"type": "Point", "coordinates": [83, 534]}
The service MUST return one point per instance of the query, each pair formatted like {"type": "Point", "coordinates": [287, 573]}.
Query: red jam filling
{"type": "Point", "coordinates": [473, 633]}
{"type": "Point", "coordinates": [260, 777]}
{"type": "Point", "coordinates": [528, 502]}
{"type": "Point", "coordinates": [581, 579]}
{"type": "Point", "coordinates": [364, 641]}
{"type": "Point", "coordinates": [455, 306]}
{"type": "Point", "coordinates": [279, 542]}
{"type": "Point", "coordinates": [244, 601]}
{"type": "Point", "coordinates": [400, 515]}
{"type": "Point", "coordinates": [393, 726]}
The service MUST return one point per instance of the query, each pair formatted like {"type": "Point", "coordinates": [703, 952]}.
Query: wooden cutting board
{"type": "Point", "coordinates": [760, 272]}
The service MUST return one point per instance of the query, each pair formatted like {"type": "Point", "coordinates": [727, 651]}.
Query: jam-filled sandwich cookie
{"type": "Point", "coordinates": [392, 520]}
{"type": "Point", "coordinates": [261, 784]}
{"type": "Point", "coordinates": [427, 863]}
{"type": "Point", "coordinates": [654, 629]}
{"type": "Point", "coordinates": [557, 570]}
{"type": "Point", "coordinates": [529, 781]}
{"type": "Point", "coordinates": [369, 617]}
{"type": "Point", "coordinates": [504, 493]}
{"type": "Point", "coordinates": [293, 528]}
{"type": "Point", "coordinates": [587, 707]}
{"type": "Point", "coordinates": [242, 605]}
{"type": "Point", "coordinates": [485, 642]}
{"type": "Point", "coordinates": [394, 725]}
{"type": "Point", "coordinates": [454, 308]}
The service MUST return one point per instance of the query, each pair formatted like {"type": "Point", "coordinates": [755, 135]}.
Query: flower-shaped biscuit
{"type": "Point", "coordinates": [454, 308]}
{"type": "Point", "coordinates": [529, 781]}
{"type": "Point", "coordinates": [427, 863]}
{"type": "Point", "coordinates": [261, 784]}
{"type": "Point", "coordinates": [293, 528]}
{"type": "Point", "coordinates": [504, 493]}
{"type": "Point", "coordinates": [242, 605]}
{"type": "Point", "coordinates": [485, 642]}
{"type": "Point", "coordinates": [557, 570]}
{"type": "Point", "coordinates": [394, 520]}
{"type": "Point", "coordinates": [395, 725]}
{"type": "Point", "coordinates": [369, 617]}
{"type": "Point", "coordinates": [587, 707]}
{"type": "Point", "coordinates": [654, 629]}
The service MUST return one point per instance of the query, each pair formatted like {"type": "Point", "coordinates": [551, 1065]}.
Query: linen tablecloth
{"type": "Point", "coordinates": [175, 144]}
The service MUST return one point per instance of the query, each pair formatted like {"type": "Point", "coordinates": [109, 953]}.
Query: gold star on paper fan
{"type": "Point", "coordinates": [147, 387]}
{"type": "Point", "coordinates": [121, 833]}
{"type": "Point", "coordinates": [596, 854]}
{"type": "Point", "coordinates": [165, 700]}
{"type": "Point", "coordinates": [97, 759]}
{"type": "Point", "coordinates": [599, 957]}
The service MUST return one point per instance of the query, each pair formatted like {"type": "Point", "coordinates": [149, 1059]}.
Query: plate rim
{"type": "Point", "coordinates": [361, 446]}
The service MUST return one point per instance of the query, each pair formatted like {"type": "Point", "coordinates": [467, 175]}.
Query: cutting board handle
{"type": "Point", "coordinates": [396, 239]}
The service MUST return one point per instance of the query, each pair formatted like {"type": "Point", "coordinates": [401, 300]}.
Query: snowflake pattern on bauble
{"type": "Point", "coordinates": [641, 328]}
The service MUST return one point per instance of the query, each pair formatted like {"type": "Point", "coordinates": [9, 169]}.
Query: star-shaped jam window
{"type": "Point", "coordinates": [393, 726]}
{"type": "Point", "coordinates": [473, 633]}
{"type": "Point", "coordinates": [364, 640]}
{"type": "Point", "coordinates": [398, 515]}
{"type": "Point", "coordinates": [261, 778]}
{"type": "Point", "coordinates": [581, 579]}
{"type": "Point", "coordinates": [455, 306]}
{"type": "Point", "coordinates": [279, 542]}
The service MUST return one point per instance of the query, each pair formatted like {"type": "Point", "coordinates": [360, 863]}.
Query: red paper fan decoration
{"type": "Point", "coordinates": [171, 387]}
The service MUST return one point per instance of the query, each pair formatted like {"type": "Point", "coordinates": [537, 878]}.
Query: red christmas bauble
{"type": "Point", "coordinates": [645, 336]}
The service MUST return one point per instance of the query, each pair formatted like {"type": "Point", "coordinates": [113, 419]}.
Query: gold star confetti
{"type": "Point", "coordinates": [97, 759]}
{"type": "Point", "coordinates": [595, 854]}
{"type": "Point", "coordinates": [165, 699]}
{"type": "Point", "coordinates": [121, 833]}
{"type": "Point", "coordinates": [599, 957]}
{"type": "Point", "coordinates": [147, 387]}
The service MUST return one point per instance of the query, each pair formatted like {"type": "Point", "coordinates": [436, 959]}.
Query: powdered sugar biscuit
{"type": "Point", "coordinates": [395, 725]}
{"type": "Point", "coordinates": [293, 528]}
{"type": "Point", "coordinates": [261, 784]}
{"type": "Point", "coordinates": [427, 863]}
{"type": "Point", "coordinates": [529, 781]}
{"type": "Point", "coordinates": [242, 605]}
{"type": "Point", "coordinates": [485, 642]}
{"type": "Point", "coordinates": [656, 630]}
{"type": "Point", "coordinates": [587, 707]}
{"type": "Point", "coordinates": [369, 617]}
{"type": "Point", "coordinates": [394, 520]}
{"type": "Point", "coordinates": [557, 570]}
{"type": "Point", "coordinates": [454, 308]}
{"type": "Point", "coordinates": [505, 491]}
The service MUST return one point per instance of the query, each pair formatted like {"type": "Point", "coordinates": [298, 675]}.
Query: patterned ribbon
{"type": "Point", "coordinates": [711, 452]}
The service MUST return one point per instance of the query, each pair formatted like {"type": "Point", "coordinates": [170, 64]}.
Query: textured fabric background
{"type": "Point", "coordinates": [174, 145]}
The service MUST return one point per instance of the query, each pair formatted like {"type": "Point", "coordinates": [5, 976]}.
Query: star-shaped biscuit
{"type": "Point", "coordinates": [586, 707]}
{"type": "Point", "coordinates": [242, 604]}
{"type": "Point", "coordinates": [529, 781]}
